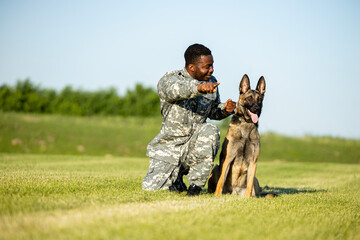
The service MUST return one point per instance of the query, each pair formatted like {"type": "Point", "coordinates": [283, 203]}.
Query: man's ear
{"type": "Point", "coordinates": [191, 67]}
{"type": "Point", "coordinates": [244, 84]}
{"type": "Point", "coordinates": [261, 85]}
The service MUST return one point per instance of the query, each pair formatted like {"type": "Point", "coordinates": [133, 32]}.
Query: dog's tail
{"type": "Point", "coordinates": [268, 195]}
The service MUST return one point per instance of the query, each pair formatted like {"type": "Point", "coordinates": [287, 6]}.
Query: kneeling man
{"type": "Point", "coordinates": [187, 144]}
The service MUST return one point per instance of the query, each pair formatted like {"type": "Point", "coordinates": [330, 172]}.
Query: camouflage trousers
{"type": "Point", "coordinates": [197, 161]}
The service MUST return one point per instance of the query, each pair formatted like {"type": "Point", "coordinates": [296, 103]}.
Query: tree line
{"type": "Point", "coordinates": [25, 96]}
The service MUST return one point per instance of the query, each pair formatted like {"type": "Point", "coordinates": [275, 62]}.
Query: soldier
{"type": "Point", "coordinates": [187, 144]}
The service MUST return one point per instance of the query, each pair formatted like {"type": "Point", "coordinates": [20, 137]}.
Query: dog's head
{"type": "Point", "coordinates": [250, 101]}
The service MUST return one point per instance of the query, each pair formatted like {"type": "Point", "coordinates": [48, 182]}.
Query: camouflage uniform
{"type": "Point", "coordinates": [185, 140]}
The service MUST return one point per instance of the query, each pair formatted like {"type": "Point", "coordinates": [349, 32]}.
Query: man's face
{"type": "Point", "coordinates": [203, 68]}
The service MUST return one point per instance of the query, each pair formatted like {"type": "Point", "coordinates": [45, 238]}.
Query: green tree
{"type": "Point", "coordinates": [27, 97]}
{"type": "Point", "coordinates": [141, 101]}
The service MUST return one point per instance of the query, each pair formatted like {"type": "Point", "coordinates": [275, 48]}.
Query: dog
{"type": "Point", "coordinates": [241, 147]}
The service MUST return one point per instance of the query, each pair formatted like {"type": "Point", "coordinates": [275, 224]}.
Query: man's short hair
{"type": "Point", "coordinates": [195, 51]}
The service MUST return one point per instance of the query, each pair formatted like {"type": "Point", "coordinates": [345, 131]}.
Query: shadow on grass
{"type": "Point", "coordinates": [281, 190]}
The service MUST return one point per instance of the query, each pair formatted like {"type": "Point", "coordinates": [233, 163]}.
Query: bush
{"type": "Point", "coordinates": [27, 97]}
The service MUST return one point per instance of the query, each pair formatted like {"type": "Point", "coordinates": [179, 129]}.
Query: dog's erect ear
{"type": "Point", "coordinates": [261, 85]}
{"type": "Point", "coordinates": [244, 84]}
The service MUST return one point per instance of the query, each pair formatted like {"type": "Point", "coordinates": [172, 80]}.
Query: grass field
{"type": "Point", "coordinates": [117, 136]}
{"type": "Point", "coordinates": [90, 197]}
{"type": "Point", "coordinates": [80, 178]}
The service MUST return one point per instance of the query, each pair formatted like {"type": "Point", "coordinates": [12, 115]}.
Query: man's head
{"type": "Point", "coordinates": [199, 62]}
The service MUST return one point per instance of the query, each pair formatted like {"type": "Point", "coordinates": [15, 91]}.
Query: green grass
{"type": "Point", "coordinates": [67, 177]}
{"type": "Point", "coordinates": [55, 134]}
{"type": "Point", "coordinates": [93, 197]}
{"type": "Point", "coordinates": [118, 136]}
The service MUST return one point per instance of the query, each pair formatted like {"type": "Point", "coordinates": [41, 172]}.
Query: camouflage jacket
{"type": "Point", "coordinates": [183, 109]}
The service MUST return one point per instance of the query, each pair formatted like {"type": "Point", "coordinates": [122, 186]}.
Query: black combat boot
{"type": "Point", "coordinates": [178, 185]}
{"type": "Point", "coordinates": [193, 190]}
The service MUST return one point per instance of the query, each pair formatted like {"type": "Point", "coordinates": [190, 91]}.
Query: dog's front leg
{"type": "Point", "coordinates": [252, 170]}
{"type": "Point", "coordinates": [222, 179]}
{"type": "Point", "coordinates": [251, 180]}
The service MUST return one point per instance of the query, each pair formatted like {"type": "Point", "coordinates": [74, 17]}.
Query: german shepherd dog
{"type": "Point", "coordinates": [241, 147]}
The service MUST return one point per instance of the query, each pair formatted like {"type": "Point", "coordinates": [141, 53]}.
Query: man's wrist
{"type": "Point", "coordinates": [227, 113]}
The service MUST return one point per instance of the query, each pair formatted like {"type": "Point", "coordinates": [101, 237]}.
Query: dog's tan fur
{"type": "Point", "coordinates": [241, 147]}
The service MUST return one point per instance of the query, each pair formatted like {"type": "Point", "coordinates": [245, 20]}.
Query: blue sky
{"type": "Point", "coordinates": [308, 51]}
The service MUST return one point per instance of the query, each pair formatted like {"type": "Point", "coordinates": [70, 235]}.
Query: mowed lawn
{"type": "Point", "coordinates": [51, 196]}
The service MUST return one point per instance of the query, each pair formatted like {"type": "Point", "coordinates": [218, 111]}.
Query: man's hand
{"type": "Point", "coordinates": [207, 87]}
{"type": "Point", "coordinates": [230, 106]}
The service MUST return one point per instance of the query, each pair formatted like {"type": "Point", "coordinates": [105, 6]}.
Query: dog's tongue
{"type": "Point", "coordinates": [254, 117]}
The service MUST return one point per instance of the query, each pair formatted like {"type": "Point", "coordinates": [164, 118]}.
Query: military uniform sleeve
{"type": "Point", "coordinates": [173, 87]}
{"type": "Point", "coordinates": [218, 111]}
